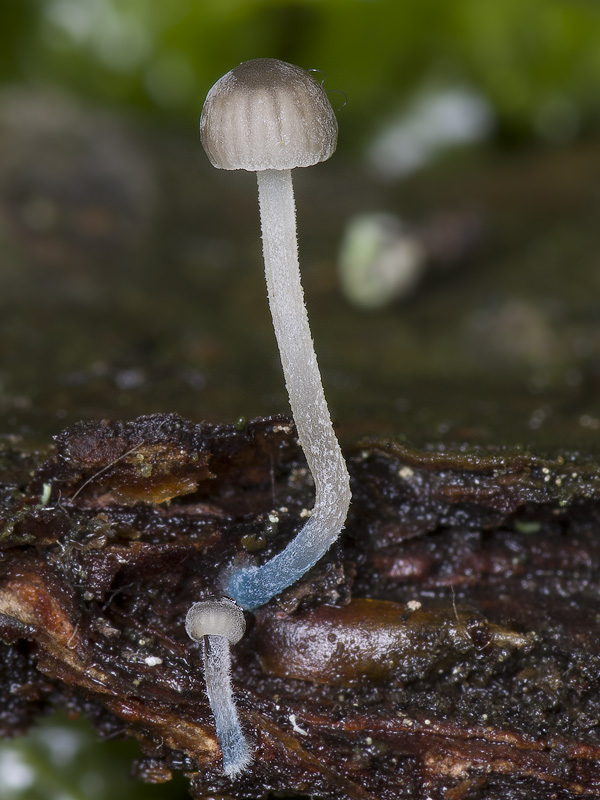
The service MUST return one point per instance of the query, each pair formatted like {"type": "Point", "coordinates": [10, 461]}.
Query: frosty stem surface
{"type": "Point", "coordinates": [253, 586]}
{"type": "Point", "coordinates": [217, 674]}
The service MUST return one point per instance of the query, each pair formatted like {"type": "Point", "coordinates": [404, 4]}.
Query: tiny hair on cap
{"type": "Point", "coordinates": [267, 114]}
{"type": "Point", "coordinates": [218, 616]}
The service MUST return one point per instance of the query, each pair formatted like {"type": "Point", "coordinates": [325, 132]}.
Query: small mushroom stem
{"type": "Point", "coordinates": [217, 622]}
{"type": "Point", "coordinates": [251, 587]}
{"type": "Point", "coordinates": [217, 674]}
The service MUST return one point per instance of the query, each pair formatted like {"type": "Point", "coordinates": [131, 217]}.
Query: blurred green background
{"type": "Point", "coordinates": [535, 62]}
{"type": "Point", "coordinates": [532, 68]}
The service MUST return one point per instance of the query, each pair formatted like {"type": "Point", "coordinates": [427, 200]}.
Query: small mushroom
{"type": "Point", "coordinates": [270, 117]}
{"type": "Point", "coordinates": [218, 623]}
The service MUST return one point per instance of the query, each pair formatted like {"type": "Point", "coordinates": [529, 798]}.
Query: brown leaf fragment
{"type": "Point", "coordinates": [32, 596]}
{"type": "Point", "coordinates": [374, 640]}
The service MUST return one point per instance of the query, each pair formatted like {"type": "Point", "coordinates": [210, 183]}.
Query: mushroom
{"type": "Point", "coordinates": [219, 623]}
{"type": "Point", "coordinates": [270, 117]}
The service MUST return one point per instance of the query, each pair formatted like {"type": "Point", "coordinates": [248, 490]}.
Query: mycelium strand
{"type": "Point", "coordinates": [253, 586]}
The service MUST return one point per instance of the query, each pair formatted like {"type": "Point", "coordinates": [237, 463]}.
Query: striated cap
{"type": "Point", "coordinates": [218, 616]}
{"type": "Point", "coordinates": [267, 114]}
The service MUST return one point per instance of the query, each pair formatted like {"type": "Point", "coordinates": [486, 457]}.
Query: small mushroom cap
{"type": "Point", "coordinates": [267, 114]}
{"type": "Point", "coordinates": [218, 616]}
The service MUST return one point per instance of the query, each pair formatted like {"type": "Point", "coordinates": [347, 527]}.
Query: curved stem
{"type": "Point", "coordinates": [217, 674]}
{"type": "Point", "coordinates": [252, 587]}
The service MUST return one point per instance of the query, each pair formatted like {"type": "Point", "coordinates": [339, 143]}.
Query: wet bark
{"type": "Point", "coordinates": [446, 647]}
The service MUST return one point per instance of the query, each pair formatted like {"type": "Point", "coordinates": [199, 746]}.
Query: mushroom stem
{"type": "Point", "coordinates": [217, 674]}
{"type": "Point", "coordinates": [251, 587]}
{"type": "Point", "coordinates": [217, 623]}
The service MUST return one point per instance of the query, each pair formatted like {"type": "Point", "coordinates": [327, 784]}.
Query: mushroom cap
{"type": "Point", "coordinates": [267, 114]}
{"type": "Point", "coordinates": [218, 616]}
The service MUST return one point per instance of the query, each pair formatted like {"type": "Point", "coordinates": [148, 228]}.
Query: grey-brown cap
{"type": "Point", "coordinates": [218, 616]}
{"type": "Point", "coordinates": [267, 114]}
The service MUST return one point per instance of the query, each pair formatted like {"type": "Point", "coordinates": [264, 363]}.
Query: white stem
{"type": "Point", "coordinates": [217, 674]}
{"type": "Point", "coordinates": [252, 587]}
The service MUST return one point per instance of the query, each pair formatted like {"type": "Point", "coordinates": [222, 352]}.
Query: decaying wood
{"type": "Point", "coordinates": [447, 647]}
